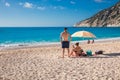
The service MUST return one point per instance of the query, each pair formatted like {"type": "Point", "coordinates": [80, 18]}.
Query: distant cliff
{"type": "Point", "coordinates": [105, 18]}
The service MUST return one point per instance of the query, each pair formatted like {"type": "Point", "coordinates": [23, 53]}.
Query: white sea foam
{"type": "Point", "coordinates": [7, 45]}
{"type": "Point", "coordinates": [4, 46]}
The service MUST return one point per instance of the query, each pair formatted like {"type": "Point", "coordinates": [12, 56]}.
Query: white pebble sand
{"type": "Point", "coordinates": [44, 63]}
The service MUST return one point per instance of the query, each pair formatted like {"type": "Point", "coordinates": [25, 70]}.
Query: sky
{"type": "Point", "coordinates": [40, 13]}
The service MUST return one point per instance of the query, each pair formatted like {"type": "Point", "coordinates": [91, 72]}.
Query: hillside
{"type": "Point", "coordinates": [106, 18]}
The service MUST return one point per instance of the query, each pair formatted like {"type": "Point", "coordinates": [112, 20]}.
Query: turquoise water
{"type": "Point", "coordinates": [14, 35]}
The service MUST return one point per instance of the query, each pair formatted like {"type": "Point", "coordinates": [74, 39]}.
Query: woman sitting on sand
{"type": "Point", "coordinates": [77, 50]}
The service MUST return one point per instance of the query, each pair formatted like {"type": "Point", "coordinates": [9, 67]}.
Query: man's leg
{"type": "Point", "coordinates": [68, 52]}
{"type": "Point", "coordinates": [63, 52]}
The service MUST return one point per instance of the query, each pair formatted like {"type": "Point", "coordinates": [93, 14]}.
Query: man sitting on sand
{"type": "Point", "coordinates": [77, 50]}
{"type": "Point", "coordinates": [64, 38]}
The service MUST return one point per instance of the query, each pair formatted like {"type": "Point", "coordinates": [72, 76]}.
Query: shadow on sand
{"type": "Point", "coordinates": [108, 55]}
{"type": "Point", "coordinates": [112, 54]}
{"type": "Point", "coordinates": [93, 57]}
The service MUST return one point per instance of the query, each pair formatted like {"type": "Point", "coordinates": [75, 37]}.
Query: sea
{"type": "Point", "coordinates": [26, 36]}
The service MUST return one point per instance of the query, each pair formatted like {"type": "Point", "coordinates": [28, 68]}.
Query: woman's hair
{"type": "Point", "coordinates": [77, 44]}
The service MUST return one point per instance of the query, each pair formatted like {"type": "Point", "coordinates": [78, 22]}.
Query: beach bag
{"type": "Point", "coordinates": [89, 53]}
{"type": "Point", "coordinates": [99, 52]}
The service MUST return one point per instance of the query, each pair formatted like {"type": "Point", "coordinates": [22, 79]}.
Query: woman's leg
{"type": "Point", "coordinates": [71, 53]}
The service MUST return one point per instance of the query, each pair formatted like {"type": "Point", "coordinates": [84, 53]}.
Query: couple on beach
{"type": "Point", "coordinates": [64, 38]}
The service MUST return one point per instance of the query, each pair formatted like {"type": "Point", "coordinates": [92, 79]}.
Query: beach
{"type": "Point", "coordinates": [45, 63]}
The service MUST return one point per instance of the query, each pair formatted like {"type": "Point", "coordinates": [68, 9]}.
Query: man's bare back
{"type": "Point", "coordinates": [65, 36]}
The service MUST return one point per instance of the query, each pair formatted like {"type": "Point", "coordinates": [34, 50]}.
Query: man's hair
{"type": "Point", "coordinates": [77, 43]}
{"type": "Point", "coordinates": [65, 28]}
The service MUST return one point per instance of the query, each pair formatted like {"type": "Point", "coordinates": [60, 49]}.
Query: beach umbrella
{"type": "Point", "coordinates": [83, 34]}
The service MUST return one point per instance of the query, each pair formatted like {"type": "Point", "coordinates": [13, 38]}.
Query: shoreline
{"type": "Point", "coordinates": [51, 44]}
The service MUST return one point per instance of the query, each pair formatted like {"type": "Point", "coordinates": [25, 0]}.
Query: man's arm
{"type": "Point", "coordinates": [61, 37]}
{"type": "Point", "coordinates": [70, 37]}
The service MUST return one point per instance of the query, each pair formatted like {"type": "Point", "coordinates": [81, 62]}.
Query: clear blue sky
{"type": "Point", "coordinates": [49, 12]}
